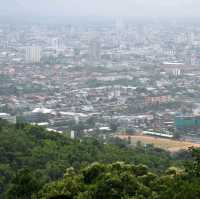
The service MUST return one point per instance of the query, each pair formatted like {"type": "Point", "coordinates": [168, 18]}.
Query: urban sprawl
{"type": "Point", "coordinates": [99, 78]}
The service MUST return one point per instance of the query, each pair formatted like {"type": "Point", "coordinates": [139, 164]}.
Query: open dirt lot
{"type": "Point", "coordinates": [167, 144]}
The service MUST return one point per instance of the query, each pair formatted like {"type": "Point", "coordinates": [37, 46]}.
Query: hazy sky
{"type": "Point", "coordinates": [101, 7]}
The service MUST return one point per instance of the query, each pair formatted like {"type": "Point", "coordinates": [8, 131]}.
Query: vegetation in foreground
{"type": "Point", "coordinates": [35, 163]}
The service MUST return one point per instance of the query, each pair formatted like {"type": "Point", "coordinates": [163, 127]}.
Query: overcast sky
{"type": "Point", "coordinates": [181, 8]}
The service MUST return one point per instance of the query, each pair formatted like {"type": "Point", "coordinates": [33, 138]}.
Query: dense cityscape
{"type": "Point", "coordinates": [121, 75]}
{"type": "Point", "coordinates": [99, 99]}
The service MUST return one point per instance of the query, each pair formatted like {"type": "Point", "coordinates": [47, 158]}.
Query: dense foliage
{"type": "Point", "coordinates": [123, 181]}
{"type": "Point", "coordinates": [32, 158]}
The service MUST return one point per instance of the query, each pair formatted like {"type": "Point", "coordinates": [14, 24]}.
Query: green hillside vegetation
{"type": "Point", "coordinates": [124, 181]}
{"type": "Point", "coordinates": [34, 162]}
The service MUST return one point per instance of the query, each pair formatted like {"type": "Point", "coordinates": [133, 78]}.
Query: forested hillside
{"type": "Point", "coordinates": [126, 181]}
{"type": "Point", "coordinates": [41, 164]}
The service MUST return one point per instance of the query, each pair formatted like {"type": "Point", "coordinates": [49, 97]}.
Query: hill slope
{"type": "Point", "coordinates": [47, 155]}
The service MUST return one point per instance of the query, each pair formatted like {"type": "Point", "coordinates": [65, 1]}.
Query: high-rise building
{"type": "Point", "coordinates": [94, 50]}
{"type": "Point", "coordinates": [119, 25]}
{"type": "Point", "coordinates": [33, 54]}
{"type": "Point", "coordinates": [57, 43]}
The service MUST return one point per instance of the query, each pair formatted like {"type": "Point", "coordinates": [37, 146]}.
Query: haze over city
{"type": "Point", "coordinates": [99, 99]}
{"type": "Point", "coordinates": [148, 8]}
